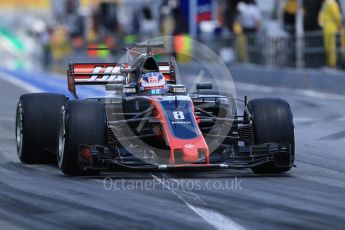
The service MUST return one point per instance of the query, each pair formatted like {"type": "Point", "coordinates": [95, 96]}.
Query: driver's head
{"type": "Point", "coordinates": [152, 83]}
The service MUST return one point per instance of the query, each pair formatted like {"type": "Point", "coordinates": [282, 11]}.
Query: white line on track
{"type": "Point", "coordinates": [17, 82]}
{"type": "Point", "coordinates": [311, 119]}
{"type": "Point", "coordinates": [9, 226]}
{"type": "Point", "coordinates": [303, 92]}
{"type": "Point", "coordinates": [305, 119]}
{"type": "Point", "coordinates": [214, 218]}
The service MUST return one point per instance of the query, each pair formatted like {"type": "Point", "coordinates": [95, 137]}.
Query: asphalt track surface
{"type": "Point", "coordinates": [310, 196]}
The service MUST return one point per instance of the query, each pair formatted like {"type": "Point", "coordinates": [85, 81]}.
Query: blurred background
{"type": "Point", "coordinates": [47, 34]}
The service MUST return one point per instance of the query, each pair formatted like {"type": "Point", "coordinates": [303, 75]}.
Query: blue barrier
{"type": "Point", "coordinates": [53, 83]}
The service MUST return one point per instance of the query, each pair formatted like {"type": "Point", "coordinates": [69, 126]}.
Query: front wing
{"type": "Point", "coordinates": [106, 158]}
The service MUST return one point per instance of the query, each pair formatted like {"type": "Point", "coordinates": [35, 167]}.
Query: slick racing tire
{"type": "Point", "coordinates": [272, 122]}
{"type": "Point", "coordinates": [37, 125]}
{"type": "Point", "coordinates": [81, 122]}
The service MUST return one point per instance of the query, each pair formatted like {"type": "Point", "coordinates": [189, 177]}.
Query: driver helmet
{"type": "Point", "coordinates": [152, 83]}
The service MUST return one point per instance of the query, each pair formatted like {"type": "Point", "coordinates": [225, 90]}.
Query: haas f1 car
{"type": "Point", "coordinates": [149, 122]}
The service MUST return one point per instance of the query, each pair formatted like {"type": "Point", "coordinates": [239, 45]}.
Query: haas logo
{"type": "Point", "coordinates": [189, 146]}
{"type": "Point", "coordinates": [110, 73]}
{"type": "Point", "coordinates": [153, 80]}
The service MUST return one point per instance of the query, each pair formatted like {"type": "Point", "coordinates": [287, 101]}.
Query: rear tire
{"type": "Point", "coordinates": [81, 122]}
{"type": "Point", "coordinates": [272, 122]}
{"type": "Point", "coordinates": [37, 125]}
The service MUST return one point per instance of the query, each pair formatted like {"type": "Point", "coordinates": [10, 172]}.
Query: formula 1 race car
{"type": "Point", "coordinates": [149, 122]}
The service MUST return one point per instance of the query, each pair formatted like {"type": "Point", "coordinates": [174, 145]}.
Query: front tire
{"type": "Point", "coordinates": [37, 125]}
{"type": "Point", "coordinates": [273, 122]}
{"type": "Point", "coordinates": [81, 122]}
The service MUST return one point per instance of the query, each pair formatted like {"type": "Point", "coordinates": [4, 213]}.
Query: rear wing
{"type": "Point", "coordinates": [94, 74]}
{"type": "Point", "coordinates": [107, 73]}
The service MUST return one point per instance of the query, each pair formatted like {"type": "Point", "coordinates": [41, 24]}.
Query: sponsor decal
{"type": "Point", "coordinates": [98, 73]}
{"type": "Point", "coordinates": [106, 77]}
{"type": "Point", "coordinates": [153, 87]}
{"type": "Point", "coordinates": [153, 80]}
{"type": "Point", "coordinates": [178, 116]}
{"type": "Point", "coordinates": [189, 146]}
{"type": "Point", "coordinates": [181, 122]}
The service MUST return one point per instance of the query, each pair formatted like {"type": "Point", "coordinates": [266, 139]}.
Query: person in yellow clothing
{"type": "Point", "coordinates": [330, 22]}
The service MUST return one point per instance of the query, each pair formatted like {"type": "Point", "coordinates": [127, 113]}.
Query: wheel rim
{"type": "Point", "coordinates": [19, 129]}
{"type": "Point", "coordinates": [62, 136]}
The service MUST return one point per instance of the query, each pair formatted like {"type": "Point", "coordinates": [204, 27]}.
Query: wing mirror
{"type": "Point", "coordinates": [203, 85]}
{"type": "Point", "coordinates": [177, 89]}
